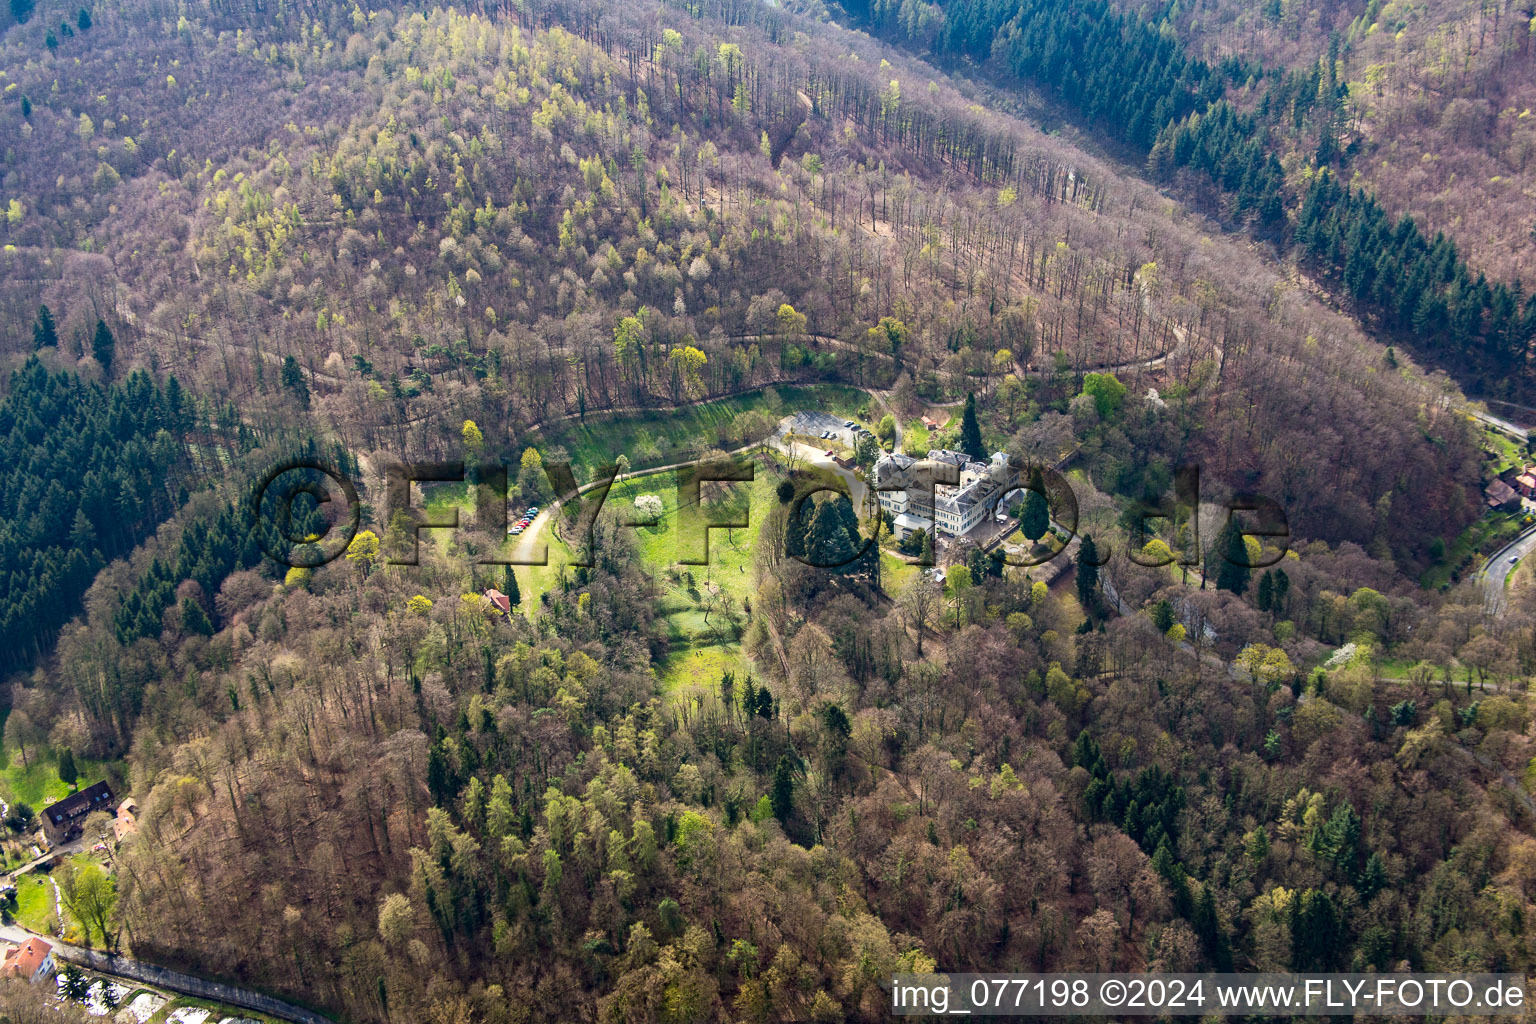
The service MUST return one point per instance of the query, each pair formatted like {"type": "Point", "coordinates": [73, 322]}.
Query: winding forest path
{"type": "Point", "coordinates": [223, 348]}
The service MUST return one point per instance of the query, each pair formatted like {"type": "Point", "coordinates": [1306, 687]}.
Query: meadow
{"type": "Point", "coordinates": [664, 436]}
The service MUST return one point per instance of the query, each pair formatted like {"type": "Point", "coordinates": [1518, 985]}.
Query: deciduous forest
{"type": "Point", "coordinates": [1160, 253]}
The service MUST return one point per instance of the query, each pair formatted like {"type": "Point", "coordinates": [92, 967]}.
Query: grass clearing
{"type": "Point", "coordinates": [896, 574]}
{"type": "Point", "coordinates": [1484, 536]}
{"type": "Point", "coordinates": [703, 604]}
{"type": "Point", "coordinates": [663, 436]}
{"type": "Point", "coordinates": [1064, 590]}
{"type": "Point", "coordinates": [534, 581]}
{"type": "Point", "coordinates": [1394, 668]}
{"type": "Point", "coordinates": [1505, 453]}
{"type": "Point", "coordinates": [685, 673]}
{"type": "Point", "coordinates": [36, 782]}
{"type": "Point", "coordinates": [915, 440]}
{"type": "Point", "coordinates": [34, 902]}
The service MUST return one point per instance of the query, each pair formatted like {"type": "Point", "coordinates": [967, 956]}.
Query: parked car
{"type": "Point", "coordinates": [515, 531]}
{"type": "Point", "coordinates": [829, 452]}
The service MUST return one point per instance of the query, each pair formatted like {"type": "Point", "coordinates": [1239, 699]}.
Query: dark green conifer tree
{"type": "Point", "coordinates": [970, 431]}
{"type": "Point", "coordinates": [1231, 557]}
{"type": "Point", "coordinates": [68, 773]}
{"type": "Point", "coordinates": [293, 380]}
{"type": "Point", "coordinates": [45, 333]}
{"type": "Point", "coordinates": [782, 795]}
{"type": "Point", "coordinates": [1087, 571]}
{"type": "Point", "coordinates": [104, 345]}
{"type": "Point", "coordinates": [194, 619]}
{"type": "Point", "coordinates": [1036, 518]}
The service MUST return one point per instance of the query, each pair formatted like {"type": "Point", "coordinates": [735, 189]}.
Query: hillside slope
{"type": "Point", "coordinates": [1437, 105]}
{"type": "Point", "coordinates": [390, 232]}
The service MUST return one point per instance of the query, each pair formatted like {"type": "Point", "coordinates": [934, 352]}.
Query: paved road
{"type": "Point", "coordinates": [186, 984]}
{"type": "Point", "coordinates": [1503, 426]}
{"type": "Point", "coordinates": [818, 457]}
{"type": "Point", "coordinates": [1499, 566]}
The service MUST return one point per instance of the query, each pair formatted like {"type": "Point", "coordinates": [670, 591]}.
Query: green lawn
{"type": "Point", "coordinates": [16, 854]}
{"type": "Point", "coordinates": [1506, 453]}
{"type": "Point", "coordinates": [686, 589]}
{"type": "Point", "coordinates": [684, 673]}
{"type": "Point", "coordinates": [703, 604]}
{"type": "Point", "coordinates": [37, 782]}
{"type": "Point", "coordinates": [661, 437]}
{"type": "Point", "coordinates": [34, 902]}
{"type": "Point", "coordinates": [730, 549]}
{"type": "Point", "coordinates": [915, 440]}
{"type": "Point", "coordinates": [534, 581]}
{"type": "Point", "coordinates": [1064, 590]}
{"type": "Point", "coordinates": [1485, 535]}
{"type": "Point", "coordinates": [896, 574]}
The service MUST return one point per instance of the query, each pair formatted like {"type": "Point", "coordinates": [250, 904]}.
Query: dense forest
{"type": "Point", "coordinates": [1428, 103]}
{"type": "Point", "coordinates": [88, 474]}
{"type": "Point", "coordinates": [632, 236]}
{"type": "Point", "coordinates": [1124, 76]}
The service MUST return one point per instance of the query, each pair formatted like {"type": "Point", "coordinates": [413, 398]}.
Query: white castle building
{"type": "Point", "coordinates": [957, 508]}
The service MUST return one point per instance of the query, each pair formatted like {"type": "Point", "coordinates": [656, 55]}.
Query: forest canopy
{"type": "Point", "coordinates": [617, 782]}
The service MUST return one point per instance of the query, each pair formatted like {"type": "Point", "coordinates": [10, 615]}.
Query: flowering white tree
{"type": "Point", "coordinates": [649, 506]}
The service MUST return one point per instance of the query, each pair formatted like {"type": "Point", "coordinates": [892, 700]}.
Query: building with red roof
{"type": "Point", "coordinates": [32, 960]}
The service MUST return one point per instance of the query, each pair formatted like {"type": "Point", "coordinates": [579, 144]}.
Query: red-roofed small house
{"type": "Point", "coordinates": [126, 823]}
{"type": "Point", "coordinates": [32, 960]}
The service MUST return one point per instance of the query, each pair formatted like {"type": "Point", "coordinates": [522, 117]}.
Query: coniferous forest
{"type": "Point", "coordinates": [455, 721]}
{"type": "Point", "coordinates": [90, 471]}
